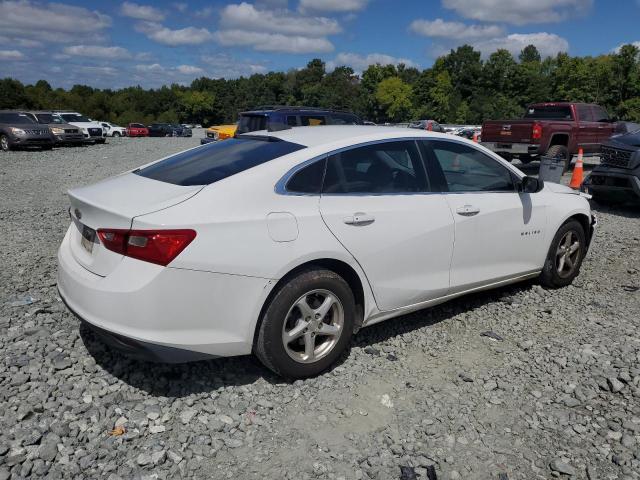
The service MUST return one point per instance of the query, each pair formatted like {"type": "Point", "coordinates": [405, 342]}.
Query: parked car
{"type": "Point", "coordinates": [17, 129]}
{"type": "Point", "coordinates": [182, 131]}
{"type": "Point", "coordinates": [617, 178]}
{"type": "Point", "coordinates": [285, 243]}
{"type": "Point", "coordinates": [556, 129]}
{"type": "Point", "coordinates": [137, 130]}
{"type": "Point", "coordinates": [280, 117]}
{"type": "Point", "coordinates": [63, 132]}
{"type": "Point", "coordinates": [113, 130]}
{"type": "Point", "coordinates": [92, 131]}
{"type": "Point", "coordinates": [219, 132]}
{"type": "Point", "coordinates": [470, 132]}
{"type": "Point", "coordinates": [164, 130]}
{"type": "Point", "coordinates": [430, 125]}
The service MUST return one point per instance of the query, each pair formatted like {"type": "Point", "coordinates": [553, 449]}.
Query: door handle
{"type": "Point", "coordinates": [359, 218]}
{"type": "Point", "coordinates": [467, 211]}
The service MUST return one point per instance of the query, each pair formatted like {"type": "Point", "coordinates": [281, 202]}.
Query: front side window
{"type": "Point", "coordinates": [466, 169]}
{"type": "Point", "coordinates": [137, 125]}
{"type": "Point", "coordinates": [584, 113]}
{"type": "Point", "coordinates": [389, 167]}
{"type": "Point", "coordinates": [600, 114]}
{"type": "Point", "coordinates": [216, 161]}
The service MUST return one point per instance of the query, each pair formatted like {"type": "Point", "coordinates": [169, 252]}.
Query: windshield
{"type": "Point", "coordinates": [48, 118]}
{"type": "Point", "coordinates": [74, 117]}
{"type": "Point", "coordinates": [15, 118]}
{"type": "Point", "coordinates": [216, 161]}
{"type": "Point", "coordinates": [549, 112]}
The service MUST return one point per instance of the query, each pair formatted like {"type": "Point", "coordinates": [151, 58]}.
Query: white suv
{"type": "Point", "coordinates": [92, 130]}
{"type": "Point", "coordinates": [112, 130]}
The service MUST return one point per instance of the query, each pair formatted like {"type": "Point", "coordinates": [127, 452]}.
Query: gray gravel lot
{"type": "Point", "coordinates": [557, 395]}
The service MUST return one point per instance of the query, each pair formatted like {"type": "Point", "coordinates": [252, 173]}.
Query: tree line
{"type": "Point", "coordinates": [460, 87]}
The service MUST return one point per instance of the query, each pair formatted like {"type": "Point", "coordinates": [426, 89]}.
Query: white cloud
{"type": "Point", "coordinates": [180, 6]}
{"type": "Point", "coordinates": [246, 16]}
{"type": "Point", "coordinates": [635, 44]}
{"type": "Point", "coordinates": [519, 12]}
{"type": "Point", "coordinates": [11, 55]}
{"type": "Point", "coordinates": [19, 42]}
{"type": "Point", "coordinates": [275, 30]}
{"type": "Point", "coordinates": [341, 6]}
{"type": "Point", "coordinates": [50, 22]}
{"type": "Point", "coordinates": [153, 67]}
{"type": "Point", "coordinates": [189, 69]}
{"type": "Point", "coordinates": [361, 62]}
{"type": "Point", "coordinates": [273, 42]}
{"type": "Point", "coordinates": [97, 51]}
{"type": "Point", "coordinates": [439, 28]}
{"type": "Point", "coordinates": [222, 65]}
{"type": "Point", "coordinates": [109, 71]}
{"type": "Point", "coordinates": [166, 36]}
{"type": "Point", "coordinates": [141, 12]}
{"type": "Point", "coordinates": [548, 44]}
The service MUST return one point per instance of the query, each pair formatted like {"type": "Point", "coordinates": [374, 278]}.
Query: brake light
{"type": "Point", "coordinates": [536, 131]}
{"type": "Point", "coordinates": [154, 246]}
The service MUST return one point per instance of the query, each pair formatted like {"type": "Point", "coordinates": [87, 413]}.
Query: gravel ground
{"type": "Point", "coordinates": [553, 392]}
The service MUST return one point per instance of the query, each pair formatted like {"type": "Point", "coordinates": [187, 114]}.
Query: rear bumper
{"type": "Point", "coordinates": [205, 140]}
{"type": "Point", "coordinates": [163, 313]}
{"type": "Point", "coordinates": [614, 183]}
{"type": "Point", "coordinates": [513, 148]}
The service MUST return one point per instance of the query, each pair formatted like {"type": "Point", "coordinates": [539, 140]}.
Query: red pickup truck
{"type": "Point", "coordinates": [137, 130]}
{"type": "Point", "coordinates": [555, 129]}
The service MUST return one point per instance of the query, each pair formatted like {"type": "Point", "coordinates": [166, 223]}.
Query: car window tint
{"type": "Point", "coordinates": [251, 123]}
{"type": "Point", "coordinates": [308, 179]}
{"type": "Point", "coordinates": [585, 113]}
{"type": "Point", "coordinates": [390, 167]}
{"type": "Point", "coordinates": [292, 121]}
{"type": "Point", "coordinates": [215, 161]}
{"type": "Point", "coordinates": [466, 169]}
{"type": "Point", "coordinates": [18, 118]}
{"type": "Point", "coordinates": [549, 112]}
{"type": "Point", "coordinates": [344, 119]}
{"type": "Point", "coordinates": [313, 120]}
{"type": "Point", "coordinates": [600, 114]}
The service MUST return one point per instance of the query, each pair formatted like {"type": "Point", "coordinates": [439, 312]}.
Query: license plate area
{"type": "Point", "coordinates": [88, 238]}
{"type": "Point", "coordinates": [506, 146]}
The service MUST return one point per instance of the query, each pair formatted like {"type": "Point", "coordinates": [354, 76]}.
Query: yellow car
{"type": "Point", "coordinates": [219, 132]}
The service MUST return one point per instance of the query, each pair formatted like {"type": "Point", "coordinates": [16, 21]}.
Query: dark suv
{"type": "Point", "coordinates": [617, 178]}
{"type": "Point", "coordinates": [19, 130]}
{"type": "Point", "coordinates": [281, 117]}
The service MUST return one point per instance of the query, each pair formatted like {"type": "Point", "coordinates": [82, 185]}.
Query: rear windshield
{"type": "Point", "coordinates": [215, 161]}
{"type": "Point", "coordinates": [15, 118]}
{"type": "Point", "coordinates": [251, 123]}
{"type": "Point", "coordinates": [548, 112]}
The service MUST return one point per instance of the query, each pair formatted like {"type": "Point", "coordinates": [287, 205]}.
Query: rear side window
{"type": "Point", "coordinates": [215, 161]}
{"type": "Point", "coordinates": [344, 119]}
{"type": "Point", "coordinates": [308, 179]}
{"type": "Point", "coordinates": [548, 112]}
{"type": "Point", "coordinates": [251, 123]}
{"type": "Point", "coordinates": [389, 167]}
{"type": "Point", "coordinates": [313, 120]}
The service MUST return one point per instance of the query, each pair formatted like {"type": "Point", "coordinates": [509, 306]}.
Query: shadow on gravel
{"type": "Point", "coordinates": [624, 210]}
{"type": "Point", "coordinates": [181, 380]}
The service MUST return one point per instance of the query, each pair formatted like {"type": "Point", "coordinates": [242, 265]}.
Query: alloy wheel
{"type": "Point", "coordinates": [4, 143]}
{"type": "Point", "coordinates": [313, 326]}
{"type": "Point", "coordinates": [567, 254]}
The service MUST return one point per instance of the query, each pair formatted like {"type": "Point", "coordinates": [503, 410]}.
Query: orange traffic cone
{"type": "Point", "coordinates": [576, 178]}
{"type": "Point", "coordinates": [475, 137]}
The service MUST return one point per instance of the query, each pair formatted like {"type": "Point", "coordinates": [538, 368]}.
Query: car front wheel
{"type": "Point", "coordinates": [4, 143]}
{"type": "Point", "coordinates": [307, 324]}
{"type": "Point", "coordinates": [565, 256]}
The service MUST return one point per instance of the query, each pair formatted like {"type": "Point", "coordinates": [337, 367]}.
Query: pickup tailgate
{"type": "Point", "coordinates": [507, 131]}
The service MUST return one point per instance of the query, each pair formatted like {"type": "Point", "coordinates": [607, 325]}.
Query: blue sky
{"type": "Point", "coordinates": [111, 44]}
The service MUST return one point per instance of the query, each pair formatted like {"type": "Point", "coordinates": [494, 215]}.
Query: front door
{"type": "Point", "coordinates": [588, 131]}
{"type": "Point", "coordinates": [375, 201]}
{"type": "Point", "coordinates": [499, 233]}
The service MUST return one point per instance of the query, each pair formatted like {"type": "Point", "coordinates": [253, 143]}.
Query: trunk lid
{"type": "Point", "coordinates": [508, 131]}
{"type": "Point", "coordinates": [114, 203]}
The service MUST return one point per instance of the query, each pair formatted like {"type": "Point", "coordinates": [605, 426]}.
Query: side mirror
{"type": "Point", "coordinates": [531, 185]}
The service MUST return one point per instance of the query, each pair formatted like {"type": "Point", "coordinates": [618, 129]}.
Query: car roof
{"type": "Point", "coordinates": [331, 134]}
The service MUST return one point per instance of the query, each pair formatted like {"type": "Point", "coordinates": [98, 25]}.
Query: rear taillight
{"type": "Point", "coordinates": [536, 131]}
{"type": "Point", "coordinates": [155, 246]}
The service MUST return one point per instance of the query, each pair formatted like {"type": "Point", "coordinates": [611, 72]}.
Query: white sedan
{"type": "Point", "coordinates": [283, 244]}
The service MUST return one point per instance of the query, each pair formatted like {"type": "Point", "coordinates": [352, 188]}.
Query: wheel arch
{"type": "Point", "coordinates": [559, 139]}
{"type": "Point", "coordinates": [354, 279]}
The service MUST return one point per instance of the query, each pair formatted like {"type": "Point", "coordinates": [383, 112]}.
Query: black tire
{"type": "Point", "coordinates": [560, 151]}
{"type": "Point", "coordinates": [525, 159]}
{"type": "Point", "coordinates": [5, 145]}
{"type": "Point", "coordinates": [281, 314]}
{"type": "Point", "coordinates": [116, 134]}
{"type": "Point", "coordinates": [551, 275]}
{"type": "Point", "coordinates": [47, 147]}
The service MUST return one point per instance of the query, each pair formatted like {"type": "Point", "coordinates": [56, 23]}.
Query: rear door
{"type": "Point", "coordinates": [588, 131]}
{"type": "Point", "coordinates": [375, 201]}
{"type": "Point", "coordinates": [499, 233]}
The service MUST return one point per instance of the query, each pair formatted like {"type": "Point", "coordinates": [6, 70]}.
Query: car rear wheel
{"type": "Point", "coordinates": [565, 256]}
{"type": "Point", "coordinates": [307, 324]}
{"type": "Point", "coordinates": [116, 134]}
{"type": "Point", "coordinates": [4, 143]}
{"type": "Point", "coordinates": [560, 151]}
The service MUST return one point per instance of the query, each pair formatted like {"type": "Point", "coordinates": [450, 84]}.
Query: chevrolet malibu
{"type": "Point", "coordinates": [284, 244]}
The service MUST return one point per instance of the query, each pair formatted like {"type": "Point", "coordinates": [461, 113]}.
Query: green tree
{"type": "Point", "coordinates": [394, 96]}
